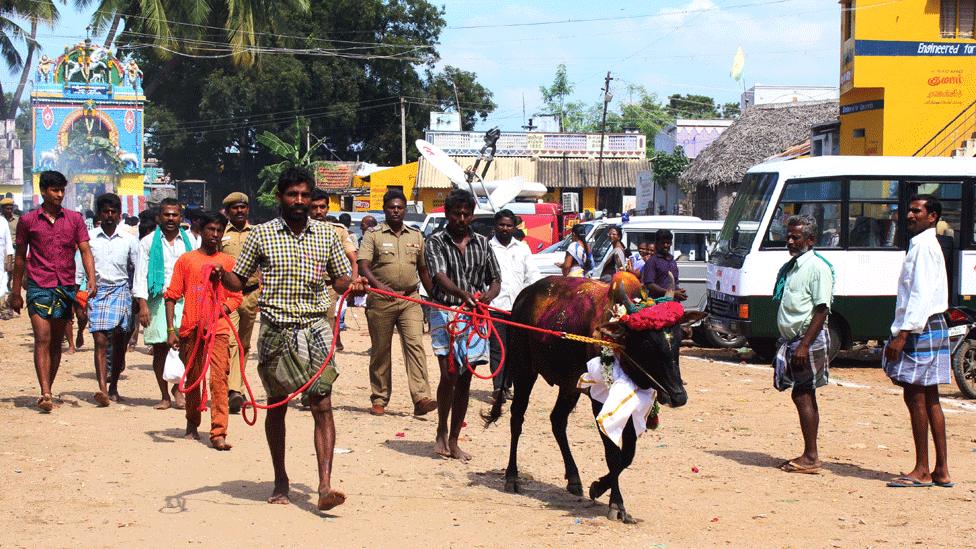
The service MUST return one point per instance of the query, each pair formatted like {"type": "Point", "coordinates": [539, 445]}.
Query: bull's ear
{"type": "Point", "coordinates": [614, 331]}
{"type": "Point", "coordinates": [692, 318]}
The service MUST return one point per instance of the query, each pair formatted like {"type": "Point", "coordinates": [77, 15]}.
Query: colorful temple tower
{"type": "Point", "coordinates": [87, 123]}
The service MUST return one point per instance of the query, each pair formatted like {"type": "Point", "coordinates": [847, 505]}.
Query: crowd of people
{"type": "Point", "coordinates": [191, 284]}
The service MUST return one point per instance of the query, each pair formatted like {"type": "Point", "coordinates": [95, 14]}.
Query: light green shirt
{"type": "Point", "coordinates": [809, 283]}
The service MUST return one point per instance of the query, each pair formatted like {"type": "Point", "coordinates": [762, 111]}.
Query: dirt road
{"type": "Point", "coordinates": [123, 476]}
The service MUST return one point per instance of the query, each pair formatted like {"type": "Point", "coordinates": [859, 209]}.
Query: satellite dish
{"type": "Point", "coordinates": [505, 191]}
{"type": "Point", "coordinates": [441, 162]}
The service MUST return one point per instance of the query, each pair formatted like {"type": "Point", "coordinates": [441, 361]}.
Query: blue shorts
{"type": "Point", "coordinates": [474, 354]}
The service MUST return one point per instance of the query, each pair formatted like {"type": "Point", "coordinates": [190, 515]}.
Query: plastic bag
{"type": "Point", "coordinates": [173, 369]}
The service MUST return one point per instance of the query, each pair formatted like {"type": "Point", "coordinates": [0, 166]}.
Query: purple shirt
{"type": "Point", "coordinates": [656, 269]}
{"type": "Point", "coordinates": [51, 253]}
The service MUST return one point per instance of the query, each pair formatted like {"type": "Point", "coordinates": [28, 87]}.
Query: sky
{"type": "Point", "coordinates": [667, 46]}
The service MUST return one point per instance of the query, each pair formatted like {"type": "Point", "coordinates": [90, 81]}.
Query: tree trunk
{"type": "Point", "coordinates": [25, 73]}
{"type": "Point", "coordinates": [113, 29]}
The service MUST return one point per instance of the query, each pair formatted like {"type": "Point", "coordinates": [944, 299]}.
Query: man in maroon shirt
{"type": "Point", "coordinates": [46, 242]}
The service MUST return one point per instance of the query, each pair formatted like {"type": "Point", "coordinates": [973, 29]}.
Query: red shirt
{"type": "Point", "coordinates": [188, 283]}
{"type": "Point", "coordinates": [52, 245]}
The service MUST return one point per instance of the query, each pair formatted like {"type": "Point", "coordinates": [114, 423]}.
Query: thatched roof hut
{"type": "Point", "coordinates": [761, 132]}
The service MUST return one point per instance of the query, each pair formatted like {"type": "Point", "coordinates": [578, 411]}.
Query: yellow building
{"type": "Point", "coordinates": [908, 77]}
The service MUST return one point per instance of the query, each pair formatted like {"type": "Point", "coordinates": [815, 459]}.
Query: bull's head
{"type": "Point", "coordinates": [650, 337]}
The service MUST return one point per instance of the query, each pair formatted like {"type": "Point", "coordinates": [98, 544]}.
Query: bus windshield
{"type": "Point", "coordinates": [746, 212]}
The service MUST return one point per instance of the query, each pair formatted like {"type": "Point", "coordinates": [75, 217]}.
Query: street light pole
{"type": "Point", "coordinates": [607, 96]}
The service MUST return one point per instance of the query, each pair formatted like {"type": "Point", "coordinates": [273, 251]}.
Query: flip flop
{"type": "Point", "coordinates": [908, 482]}
{"type": "Point", "coordinates": [944, 484]}
{"type": "Point", "coordinates": [794, 467]}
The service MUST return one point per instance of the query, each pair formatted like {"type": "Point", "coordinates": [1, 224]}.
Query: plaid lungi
{"type": "Point", "coordinates": [925, 359]}
{"type": "Point", "coordinates": [785, 375]}
{"type": "Point", "coordinates": [110, 308]}
{"type": "Point", "coordinates": [289, 355]}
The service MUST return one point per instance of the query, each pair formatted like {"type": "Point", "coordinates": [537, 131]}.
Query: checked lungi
{"type": "Point", "coordinates": [817, 374]}
{"type": "Point", "coordinates": [110, 308]}
{"type": "Point", "coordinates": [925, 359]}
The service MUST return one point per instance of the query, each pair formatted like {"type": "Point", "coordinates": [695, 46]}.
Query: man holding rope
{"type": "Point", "coordinates": [464, 272]}
{"type": "Point", "coordinates": [295, 254]}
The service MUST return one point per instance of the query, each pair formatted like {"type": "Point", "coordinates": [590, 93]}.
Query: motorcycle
{"type": "Point", "coordinates": [962, 345]}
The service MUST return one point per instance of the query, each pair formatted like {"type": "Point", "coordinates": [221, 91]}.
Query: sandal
{"type": "Point", "coordinates": [794, 467]}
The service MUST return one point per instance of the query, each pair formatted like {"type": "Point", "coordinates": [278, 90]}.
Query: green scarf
{"type": "Point", "coordinates": [157, 266]}
{"type": "Point", "coordinates": [786, 268]}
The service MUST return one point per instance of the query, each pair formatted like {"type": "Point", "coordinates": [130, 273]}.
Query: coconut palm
{"type": "Point", "coordinates": [10, 34]}
{"type": "Point", "coordinates": [37, 12]}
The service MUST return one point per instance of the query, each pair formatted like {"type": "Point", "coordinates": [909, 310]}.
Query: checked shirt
{"type": "Point", "coordinates": [295, 269]}
{"type": "Point", "coordinates": [472, 271]}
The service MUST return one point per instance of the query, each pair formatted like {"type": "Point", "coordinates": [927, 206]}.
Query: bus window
{"type": "Point", "coordinates": [690, 245]}
{"type": "Point", "coordinates": [949, 194]}
{"type": "Point", "coordinates": [873, 213]}
{"type": "Point", "coordinates": [819, 199]}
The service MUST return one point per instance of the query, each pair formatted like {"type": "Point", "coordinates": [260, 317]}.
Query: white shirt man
{"type": "Point", "coordinates": [7, 250]}
{"type": "Point", "coordinates": [923, 288]}
{"type": "Point", "coordinates": [113, 256]}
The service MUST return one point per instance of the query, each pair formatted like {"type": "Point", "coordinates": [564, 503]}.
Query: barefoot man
{"type": "Point", "coordinates": [295, 255]}
{"type": "Point", "coordinates": [189, 286]}
{"type": "Point", "coordinates": [46, 242]}
{"type": "Point", "coordinates": [461, 263]}
{"type": "Point", "coordinates": [158, 252]}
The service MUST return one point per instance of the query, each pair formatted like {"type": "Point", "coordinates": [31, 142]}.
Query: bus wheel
{"type": "Point", "coordinates": [764, 347]}
{"type": "Point", "coordinates": [836, 340]}
{"type": "Point", "coordinates": [964, 368]}
{"type": "Point", "coordinates": [713, 338]}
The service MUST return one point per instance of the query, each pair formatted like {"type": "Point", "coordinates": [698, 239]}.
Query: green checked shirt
{"type": "Point", "coordinates": [295, 268]}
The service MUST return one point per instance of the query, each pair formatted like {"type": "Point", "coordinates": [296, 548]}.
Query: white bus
{"type": "Point", "coordinates": [856, 202]}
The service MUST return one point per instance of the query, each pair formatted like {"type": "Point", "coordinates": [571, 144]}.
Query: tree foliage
{"type": "Point", "coordinates": [692, 106]}
{"type": "Point", "coordinates": [290, 155]}
{"type": "Point", "coordinates": [204, 115]}
{"type": "Point", "coordinates": [667, 167]}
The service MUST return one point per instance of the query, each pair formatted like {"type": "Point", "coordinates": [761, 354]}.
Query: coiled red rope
{"type": "Point", "coordinates": [476, 321]}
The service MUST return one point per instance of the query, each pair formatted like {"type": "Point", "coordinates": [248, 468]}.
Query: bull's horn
{"type": "Point", "coordinates": [670, 293]}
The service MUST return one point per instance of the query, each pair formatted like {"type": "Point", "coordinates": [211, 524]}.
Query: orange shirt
{"type": "Point", "coordinates": [188, 283]}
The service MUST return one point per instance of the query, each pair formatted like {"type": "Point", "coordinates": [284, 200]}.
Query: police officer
{"type": "Point", "coordinates": [391, 257]}
{"type": "Point", "coordinates": [237, 208]}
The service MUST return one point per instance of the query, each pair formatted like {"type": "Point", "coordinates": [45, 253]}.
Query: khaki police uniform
{"type": "Point", "coordinates": [394, 261]}
{"type": "Point", "coordinates": [244, 316]}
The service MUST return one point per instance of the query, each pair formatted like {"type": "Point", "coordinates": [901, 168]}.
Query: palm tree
{"type": "Point", "coordinates": [37, 12]}
{"type": "Point", "coordinates": [10, 34]}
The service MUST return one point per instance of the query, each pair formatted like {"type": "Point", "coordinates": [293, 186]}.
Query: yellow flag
{"type": "Point", "coordinates": [738, 63]}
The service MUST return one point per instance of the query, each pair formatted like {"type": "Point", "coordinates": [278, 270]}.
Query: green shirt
{"type": "Point", "coordinates": [809, 283]}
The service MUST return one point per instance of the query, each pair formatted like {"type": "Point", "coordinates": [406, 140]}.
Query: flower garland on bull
{"type": "Point", "coordinates": [635, 309]}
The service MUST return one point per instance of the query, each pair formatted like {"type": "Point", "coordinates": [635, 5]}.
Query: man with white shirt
{"type": "Point", "coordinates": [158, 252]}
{"type": "Point", "coordinates": [110, 310]}
{"type": "Point", "coordinates": [7, 251]}
{"type": "Point", "coordinates": [517, 271]}
{"type": "Point", "coordinates": [917, 355]}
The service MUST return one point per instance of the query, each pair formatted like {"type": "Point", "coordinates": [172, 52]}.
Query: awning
{"type": "Point", "coordinates": [618, 173]}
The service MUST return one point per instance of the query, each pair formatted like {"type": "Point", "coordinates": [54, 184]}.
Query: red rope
{"type": "Point", "coordinates": [477, 321]}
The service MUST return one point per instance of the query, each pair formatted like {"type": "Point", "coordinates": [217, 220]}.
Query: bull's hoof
{"type": "Point", "coordinates": [513, 486]}
{"type": "Point", "coordinates": [618, 513]}
{"type": "Point", "coordinates": [597, 489]}
{"type": "Point", "coordinates": [575, 487]}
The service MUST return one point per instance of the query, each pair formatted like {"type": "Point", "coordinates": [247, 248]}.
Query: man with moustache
{"type": "Point", "coordinates": [916, 358]}
{"type": "Point", "coordinates": [237, 207]}
{"type": "Point", "coordinates": [804, 290]}
{"type": "Point", "coordinates": [319, 211]}
{"type": "Point", "coordinates": [158, 252]}
{"type": "Point", "coordinates": [295, 255]}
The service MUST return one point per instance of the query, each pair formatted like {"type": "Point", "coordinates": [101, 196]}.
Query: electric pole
{"type": "Point", "coordinates": [607, 96]}
{"type": "Point", "coordinates": [403, 132]}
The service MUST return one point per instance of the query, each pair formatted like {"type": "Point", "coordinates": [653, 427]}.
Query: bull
{"type": "Point", "coordinates": [585, 307]}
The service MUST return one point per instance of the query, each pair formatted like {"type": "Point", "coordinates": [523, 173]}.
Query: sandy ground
{"type": "Point", "coordinates": [123, 476]}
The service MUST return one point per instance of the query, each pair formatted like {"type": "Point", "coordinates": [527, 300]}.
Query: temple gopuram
{"type": "Point", "coordinates": [87, 123]}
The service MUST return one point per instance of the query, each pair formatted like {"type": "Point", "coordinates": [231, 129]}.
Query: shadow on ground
{"type": "Point", "coordinates": [244, 492]}
{"type": "Point", "coordinates": [550, 495]}
{"type": "Point", "coordinates": [766, 461]}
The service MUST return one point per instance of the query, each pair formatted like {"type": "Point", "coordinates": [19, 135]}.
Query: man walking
{"type": "Point", "coordinates": [158, 252]}
{"type": "Point", "coordinates": [199, 310]}
{"type": "Point", "coordinates": [391, 257]}
{"type": "Point", "coordinates": [109, 312]}
{"type": "Point", "coordinates": [517, 271]}
{"type": "Point", "coordinates": [464, 270]}
{"type": "Point", "coordinates": [295, 254]}
{"type": "Point", "coordinates": [804, 289]}
{"type": "Point", "coordinates": [237, 206]}
{"type": "Point", "coordinates": [319, 211]}
{"type": "Point", "coordinates": [917, 355]}
{"type": "Point", "coordinates": [50, 234]}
